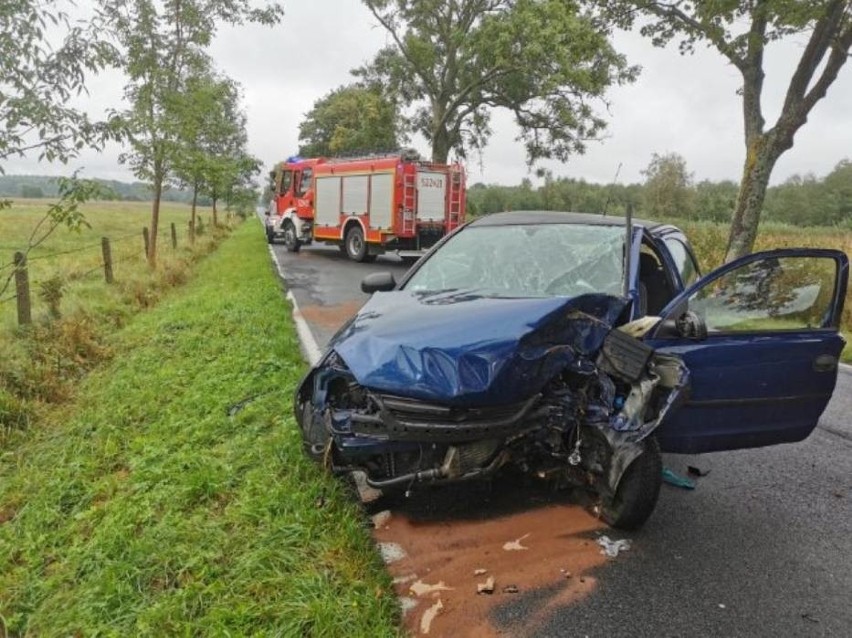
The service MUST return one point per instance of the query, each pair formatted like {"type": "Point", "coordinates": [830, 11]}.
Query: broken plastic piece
{"type": "Point", "coordinates": [677, 480]}
{"type": "Point", "coordinates": [514, 546]}
{"type": "Point", "coordinates": [611, 548]}
{"type": "Point", "coordinates": [695, 471]}
{"type": "Point", "coordinates": [510, 589]}
{"type": "Point", "coordinates": [487, 587]}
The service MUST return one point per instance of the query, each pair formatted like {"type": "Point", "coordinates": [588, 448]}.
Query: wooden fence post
{"type": "Point", "coordinates": [146, 239]}
{"type": "Point", "coordinates": [22, 289]}
{"type": "Point", "coordinates": [174, 236]}
{"type": "Point", "coordinates": [107, 251]}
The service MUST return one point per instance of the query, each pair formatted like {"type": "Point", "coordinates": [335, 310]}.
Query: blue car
{"type": "Point", "coordinates": [576, 348]}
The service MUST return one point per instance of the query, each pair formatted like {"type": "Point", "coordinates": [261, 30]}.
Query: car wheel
{"type": "Point", "coordinates": [356, 247]}
{"type": "Point", "coordinates": [637, 493]}
{"type": "Point", "coordinates": [290, 240]}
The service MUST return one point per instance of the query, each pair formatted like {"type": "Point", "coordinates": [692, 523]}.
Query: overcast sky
{"type": "Point", "coordinates": [686, 105]}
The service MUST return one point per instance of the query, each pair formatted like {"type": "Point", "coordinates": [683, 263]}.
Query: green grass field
{"type": "Point", "coordinates": [172, 496]}
{"type": "Point", "coordinates": [76, 256]}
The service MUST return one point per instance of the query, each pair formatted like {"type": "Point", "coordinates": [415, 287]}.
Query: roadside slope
{"type": "Point", "coordinates": [173, 496]}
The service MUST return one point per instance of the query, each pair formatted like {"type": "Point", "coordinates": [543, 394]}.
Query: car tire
{"type": "Point", "coordinates": [356, 247]}
{"type": "Point", "coordinates": [637, 493]}
{"type": "Point", "coordinates": [291, 242]}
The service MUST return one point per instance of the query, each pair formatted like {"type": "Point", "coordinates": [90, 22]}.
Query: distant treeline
{"type": "Point", "coordinates": [804, 201]}
{"type": "Point", "coordinates": [39, 186]}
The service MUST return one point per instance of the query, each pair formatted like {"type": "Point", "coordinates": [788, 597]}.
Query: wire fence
{"type": "Point", "coordinates": [111, 257]}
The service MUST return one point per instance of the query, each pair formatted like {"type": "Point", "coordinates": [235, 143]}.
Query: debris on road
{"type": "Point", "coordinates": [696, 471]}
{"type": "Point", "coordinates": [487, 587]}
{"type": "Point", "coordinates": [611, 548]}
{"type": "Point", "coordinates": [391, 552]}
{"type": "Point", "coordinates": [401, 580]}
{"type": "Point", "coordinates": [510, 589]}
{"type": "Point", "coordinates": [677, 480]}
{"type": "Point", "coordinates": [420, 588]}
{"type": "Point", "coordinates": [381, 519]}
{"type": "Point", "coordinates": [429, 616]}
{"type": "Point", "coordinates": [407, 605]}
{"type": "Point", "coordinates": [479, 572]}
{"type": "Point", "coordinates": [515, 545]}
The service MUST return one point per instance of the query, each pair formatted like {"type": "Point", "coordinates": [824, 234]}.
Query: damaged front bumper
{"type": "Point", "coordinates": [586, 424]}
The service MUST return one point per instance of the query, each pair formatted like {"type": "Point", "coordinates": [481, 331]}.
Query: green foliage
{"type": "Point", "coordinates": [14, 186]}
{"type": "Point", "coordinates": [44, 58]}
{"type": "Point", "coordinates": [350, 119]}
{"type": "Point", "coordinates": [668, 191]}
{"type": "Point", "coordinates": [173, 498]}
{"type": "Point", "coordinates": [543, 60]}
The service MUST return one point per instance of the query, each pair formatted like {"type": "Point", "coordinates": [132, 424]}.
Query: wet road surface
{"type": "Point", "coordinates": [762, 546]}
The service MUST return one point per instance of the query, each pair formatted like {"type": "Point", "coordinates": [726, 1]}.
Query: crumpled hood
{"type": "Point", "coordinates": [461, 348]}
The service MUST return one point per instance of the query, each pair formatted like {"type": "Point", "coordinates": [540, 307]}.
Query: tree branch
{"type": "Point", "coordinates": [402, 48]}
{"type": "Point", "coordinates": [673, 12]}
{"type": "Point", "coordinates": [818, 44]}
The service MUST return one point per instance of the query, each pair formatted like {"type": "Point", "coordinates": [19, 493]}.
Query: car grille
{"type": "Point", "coordinates": [402, 419]}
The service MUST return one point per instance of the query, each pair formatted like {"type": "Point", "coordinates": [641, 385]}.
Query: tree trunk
{"type": "Point", "coordinates": [215, 218]}
{"type": "Point", "coordinates": [760, 159]}
{"type": "Point", "coordinates": [193, 216]}
{"type": "Point", "coordinates": [155, 221]}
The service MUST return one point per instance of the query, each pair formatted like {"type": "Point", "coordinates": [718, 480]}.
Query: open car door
{"type": "Point", "coordinates": [761, 339]}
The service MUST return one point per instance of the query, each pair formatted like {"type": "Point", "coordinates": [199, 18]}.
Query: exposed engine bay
{"type": "Point", "coordinates": [585, 424]}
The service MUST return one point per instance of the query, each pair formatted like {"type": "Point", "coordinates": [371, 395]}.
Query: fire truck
{"type": "Point", "coordinates": [367, 205]}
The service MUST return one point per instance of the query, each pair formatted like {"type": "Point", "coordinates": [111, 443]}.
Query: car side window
{"type": "Point", "coordinates": [786, 293]}
{"type": "Point", "coordinates": [683, 260]}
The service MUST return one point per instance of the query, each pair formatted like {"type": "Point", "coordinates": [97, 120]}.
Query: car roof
{"type": "Point", "coordinates": [523, 217]}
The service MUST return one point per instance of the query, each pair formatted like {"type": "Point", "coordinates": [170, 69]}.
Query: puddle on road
{"type": "Point", "coordinates": [331, 317]}
{"type": "Point", "coordinates": [450, 554]}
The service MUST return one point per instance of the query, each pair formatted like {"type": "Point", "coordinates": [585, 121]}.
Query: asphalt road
{"type": "Point", "coordinates": [762, 546]}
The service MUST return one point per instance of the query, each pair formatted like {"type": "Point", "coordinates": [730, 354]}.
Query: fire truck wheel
{"type": "Point", "coordinates": [290, 240]}
{"type": "Point", "coordinates": [356, 247]}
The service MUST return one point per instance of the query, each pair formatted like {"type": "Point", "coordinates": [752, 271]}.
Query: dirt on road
{"type": "Point", "coordinates": [538, 558]}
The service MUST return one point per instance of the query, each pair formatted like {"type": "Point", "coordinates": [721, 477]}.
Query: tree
{"type": "Point", "coordinates": [457, 61]}
{"type": "Point", "coordinates": [210, 131]}
{"type": "Point", "coordinates": [668, 186]}
{"type": "Point", "coordinates": [350, 119]}
{"type": "Point", "coordinates": [741, 31]}
{"type": "Point", "coordinates": [163, 44]}
{"type": "Point", "coordinates": [44, 58]}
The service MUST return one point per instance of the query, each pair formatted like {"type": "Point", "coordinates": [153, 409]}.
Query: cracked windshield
{"type": "Point", "coordinates": [547, 260]}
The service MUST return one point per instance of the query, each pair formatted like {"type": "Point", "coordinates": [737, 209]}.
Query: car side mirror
{"type": "Point", "coordinates": [691, 326]}
{"type": "Point", "coordinates": [378, 282]}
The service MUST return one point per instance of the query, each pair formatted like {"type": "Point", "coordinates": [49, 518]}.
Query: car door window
{"type": "Point", "coordinates": [770, 294]}
{"type": "Point", "coordinates": [683, 260]}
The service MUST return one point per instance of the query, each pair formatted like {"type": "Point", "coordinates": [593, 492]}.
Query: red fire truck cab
{"type": "Point", "coordinates": [366, 206]}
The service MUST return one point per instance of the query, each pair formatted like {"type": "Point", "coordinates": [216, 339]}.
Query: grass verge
{"type": "Point", "coordinates": [172, 497]}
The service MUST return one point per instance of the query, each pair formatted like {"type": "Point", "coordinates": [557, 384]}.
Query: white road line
{"type": "Point", "coordinates": [310, 347]}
